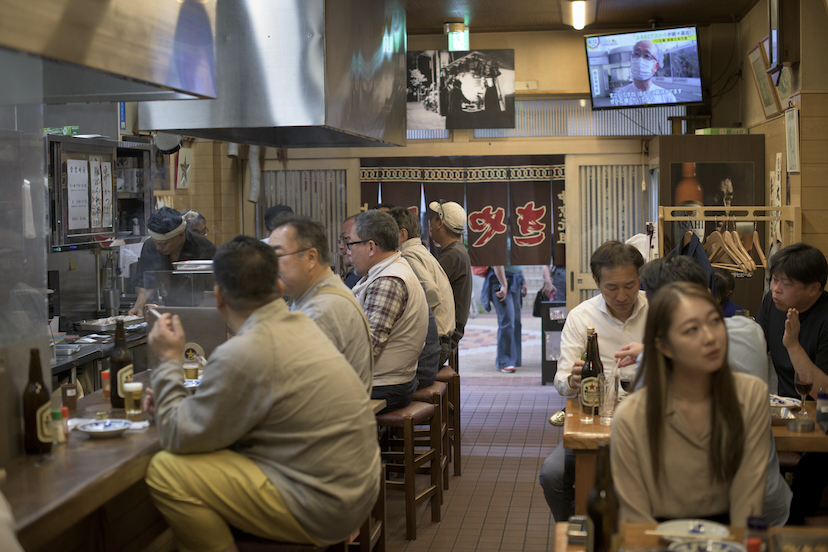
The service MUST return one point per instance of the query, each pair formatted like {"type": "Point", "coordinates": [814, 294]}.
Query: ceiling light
{"type": "Point", "coordinates": [579, 14]}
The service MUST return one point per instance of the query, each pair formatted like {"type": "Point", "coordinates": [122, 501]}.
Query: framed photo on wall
{"type": "Point", "coordinates": [792, 139]}
{"type": "Point", "coordinates": [764, 84]}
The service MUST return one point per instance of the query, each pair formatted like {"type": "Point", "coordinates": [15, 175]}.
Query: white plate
{"type": "Point", "coordinates": [104, 429]}
{"type": "Point", "coordinates": [705, 545]}
{"type": "Point", "coordinates": [787, 402]}
{"type": "Point", "coordinates": [680, 529]}
{"type": "Point", "coordinates": [190, 383]}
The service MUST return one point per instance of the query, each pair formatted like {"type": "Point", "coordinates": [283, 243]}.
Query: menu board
{"type": "Point", "coordinates": [106, 176]}
{"type": "Point", "coordinates": [77, 187]}
{"type": "Point", "coordinates": [96, 197]}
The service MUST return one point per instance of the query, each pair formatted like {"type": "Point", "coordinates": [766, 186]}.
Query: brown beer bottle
{"type": "Point", "coordinates": [593, 367]}
{"type": "Point", "coordinates": [602, 507]}
{"type": "Point", "coordinates": [120, 367]}
{"type": "Point", "coordinates": [37, 410]}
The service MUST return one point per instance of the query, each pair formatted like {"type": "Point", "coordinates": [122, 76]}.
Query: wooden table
{"type": "Point", "coordinates": [583, 439]}
{"type": "Point", "coordinates": [814, 441]}
{"type": "Point", "coordinates": [63, 498]}
{"type": "Point", "coordinates": [632, 535]}
{"type": "Point", "coordinates": [377, 405]}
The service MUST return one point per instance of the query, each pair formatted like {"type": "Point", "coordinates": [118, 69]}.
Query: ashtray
{"type": "Point", "coordinates": [800, 426]}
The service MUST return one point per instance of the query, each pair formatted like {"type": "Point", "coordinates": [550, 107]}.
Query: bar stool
{"type": "Point", "coordinates": [245, 542]}
{"type": "Point", "coordinates": [452, 379]}
{"type": "Point", "coordinates": [436, 394]}
{"type": "Point", "coordinates": [408, 460]}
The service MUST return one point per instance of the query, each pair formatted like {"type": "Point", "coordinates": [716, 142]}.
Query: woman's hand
{"type": "Point", "coordinates": [628, 354]}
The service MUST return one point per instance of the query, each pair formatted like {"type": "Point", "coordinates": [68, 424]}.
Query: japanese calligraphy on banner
{"type": "Point", "coordinates": [530, 223]}
{"type": "Point", "coordinates": [487, 223]}
{"type": "Point", "coordinates": [559, 223]}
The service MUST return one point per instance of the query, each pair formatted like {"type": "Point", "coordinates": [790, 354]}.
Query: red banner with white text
{"type": "Point", "coordinates": [488, 223]}
{"type": "Point", "coordinates": [531, 223]}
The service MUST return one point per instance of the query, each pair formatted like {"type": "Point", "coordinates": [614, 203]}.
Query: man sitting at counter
{"type": "Point", "coordinates": [305, 272]}
{"type": "Point", "coordinates": [280, 439]}
{"type": "Point", "coordinates": [169, 242]}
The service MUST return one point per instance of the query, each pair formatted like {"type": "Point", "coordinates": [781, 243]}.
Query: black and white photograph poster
{"type": "Point", "coordinates": [473, 89]}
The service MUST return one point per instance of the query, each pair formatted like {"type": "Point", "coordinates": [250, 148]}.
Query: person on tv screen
{"type": "Point", "coordinates": [645, 60]}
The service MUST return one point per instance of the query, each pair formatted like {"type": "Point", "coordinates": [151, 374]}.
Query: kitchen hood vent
{"type": "Point", "coordinates": [118, 50]}
{"type": "Point", "coordinates": [300, 73]}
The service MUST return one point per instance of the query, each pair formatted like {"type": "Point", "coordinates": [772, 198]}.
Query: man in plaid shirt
{"type": "Point", "coordinates": [395, 304]}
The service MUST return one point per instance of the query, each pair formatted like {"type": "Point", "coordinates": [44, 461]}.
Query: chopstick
{"type": "Point", "coordinates": [687, 535]}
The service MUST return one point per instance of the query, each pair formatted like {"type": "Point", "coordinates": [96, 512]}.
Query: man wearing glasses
{"type": "Point", "coordinates": [351, 277]}
{"type": "Point", "coordinates": [305, 271]}
{"type": "Point", "coordinates": [395, 304]}
{"type": "Point", "coordinates": [170, 242]}
{"type": "Point", "coordinates": [645, 61]}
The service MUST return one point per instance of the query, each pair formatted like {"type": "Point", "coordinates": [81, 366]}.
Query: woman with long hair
{"type": "Point", "coordinates": [693, 441]}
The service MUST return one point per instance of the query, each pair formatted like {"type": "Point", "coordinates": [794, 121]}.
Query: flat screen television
{"type": "Point", "coordinates": [644, 68]}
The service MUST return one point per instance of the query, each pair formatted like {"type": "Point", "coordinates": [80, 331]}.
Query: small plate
{"type": "Point", "coordinates": [681, 529]}
{"type": "Point", "coordinates": [705, 545]}
{"type": "Point", "coordinates": [787, 402]}
{"type": "Point", "coordinates": [192, 383]}
{"type": "Point", "coordinates": [104, 429]}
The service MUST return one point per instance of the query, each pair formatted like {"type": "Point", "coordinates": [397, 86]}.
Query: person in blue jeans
{"type": "Point", "coordinates": [505, 287]}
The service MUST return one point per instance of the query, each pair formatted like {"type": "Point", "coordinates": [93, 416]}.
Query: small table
{"type": "Point", "coordinates": [378, 405]}
{"type": "Point", "coordinates": [632, 535]}
{"type": "Point", "coordinates": [583, 439]}
{"type": "Point", "coordinates": [789, 441]}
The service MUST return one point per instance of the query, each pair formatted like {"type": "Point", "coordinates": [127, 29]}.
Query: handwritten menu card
{"type": "Point", "coordinates": [77, 185]}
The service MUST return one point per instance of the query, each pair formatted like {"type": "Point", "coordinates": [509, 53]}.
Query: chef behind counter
{"type": "Point", "coordinates": [169, 242]}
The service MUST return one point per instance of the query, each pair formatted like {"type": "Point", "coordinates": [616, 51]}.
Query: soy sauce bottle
{"type": "Point", "coordinates": [37, 410]}
{"type": "Point", "coordinates": [120, 367]}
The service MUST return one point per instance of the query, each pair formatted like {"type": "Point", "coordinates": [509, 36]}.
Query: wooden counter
{"type": "Point", "coordinates": [583, 439]}
{"type": "Point", "coordinates": [68, 492]}
{"type": "Point", "coordinates": [814, 441]}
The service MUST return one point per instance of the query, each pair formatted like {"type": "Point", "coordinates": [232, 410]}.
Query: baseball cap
{"type": "Point", "coordinates": [451, 213]}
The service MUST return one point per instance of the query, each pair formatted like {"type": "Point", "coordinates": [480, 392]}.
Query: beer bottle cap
{"type": "Point", "coordinates": [105, 375]}
{"type": "Point", "coordinates": [64, 412]}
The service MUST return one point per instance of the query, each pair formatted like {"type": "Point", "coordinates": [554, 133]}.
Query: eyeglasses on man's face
{"type": "Point", "coordinates": [280, 255]}
{"type": "Point", "coordinates": [353, 243]}
{"type": "Point", "coordinates": [646, 55]}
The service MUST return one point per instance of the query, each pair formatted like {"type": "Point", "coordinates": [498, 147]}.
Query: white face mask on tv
{"type": "Point", "coordinates": [641, 69]}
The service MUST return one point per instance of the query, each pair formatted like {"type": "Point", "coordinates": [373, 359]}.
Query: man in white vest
{"type": "Point", "coordinates": [395, 304]}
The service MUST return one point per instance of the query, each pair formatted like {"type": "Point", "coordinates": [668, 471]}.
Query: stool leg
{"type": "Point", "coordinates": [455, 392]}
{"type": "Point", "coordinates": [436, 500]}
{"type": "Point", "coordinates": [410, 490]}
{"type": "Point", "coordinates": [444, 433]}
{"type": "Point", "coordinates": [437, 400]}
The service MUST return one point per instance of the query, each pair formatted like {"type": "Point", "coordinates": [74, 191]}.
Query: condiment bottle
{"type": "Point", "coordinates": [822, 405]}
{"type": "Point", "coordinates": [58, 437]}
{"type": "Point", "coordinates": [120, 367]}
{"type": "Point", "coordinates": [602, 507]}
{"type": "Point", "coordinates": [757, 528]}
{"type": "Point", "coordinates": [105, 383]}
{"type": "Point", "coordinates": [37, 410]}
{"type": "Point", "coordinates": [69, 395]}
{"type": "Point", "coordinates": [64, 415]}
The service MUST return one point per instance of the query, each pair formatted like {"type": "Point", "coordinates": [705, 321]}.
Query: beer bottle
{"type": "Point", "coordinates": [590, 331]}
{"type": "Point", "coordinates": [593, 367]}
{"type": "Point", "coordinates": [602, 507]}
{"type": "Point", "coordinates": [120, 367]}
{"type": "Point", "coordinates": [37, 410]}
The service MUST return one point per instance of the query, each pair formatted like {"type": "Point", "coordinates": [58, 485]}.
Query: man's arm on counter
{"type": "Point", "coordinates": [140, 301]}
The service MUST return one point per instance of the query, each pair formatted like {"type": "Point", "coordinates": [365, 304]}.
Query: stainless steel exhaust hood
{"type": "Point", "coordinates": [300, 73]}
{"type": "Point", "coordinates": [117, 50]}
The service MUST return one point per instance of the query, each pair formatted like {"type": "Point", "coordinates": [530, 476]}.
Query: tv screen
{"type": "Point", "coordinates": [644, 68]}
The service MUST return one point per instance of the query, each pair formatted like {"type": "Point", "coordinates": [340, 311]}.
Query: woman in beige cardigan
{"type": "Point", "coordinates": [692, 442]}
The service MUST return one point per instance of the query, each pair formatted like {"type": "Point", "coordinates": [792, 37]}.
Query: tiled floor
{"type": "Point", "coordinates": [497, 503]}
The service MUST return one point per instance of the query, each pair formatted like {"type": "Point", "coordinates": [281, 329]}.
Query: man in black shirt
{"type": "Point", "coordinates": [794, 316]}
{"type": "Point", "coordinates": [446, 225]}
{"type": "Point", "coordinates": [169, 242]}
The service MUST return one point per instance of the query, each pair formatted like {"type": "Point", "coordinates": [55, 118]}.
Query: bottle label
{"type": "Point", "coordinates": [124, 376]}
{"type": "Point", "coordinates": [589, 391]}
{"type": "Point", "coordinates": [44, 422]}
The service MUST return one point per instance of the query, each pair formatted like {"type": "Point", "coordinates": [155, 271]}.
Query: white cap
{"type": "Point", "coordinates": [451, 213]}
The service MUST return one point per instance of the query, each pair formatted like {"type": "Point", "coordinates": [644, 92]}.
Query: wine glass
{"type": "Point", "coordinates": [803, 382]}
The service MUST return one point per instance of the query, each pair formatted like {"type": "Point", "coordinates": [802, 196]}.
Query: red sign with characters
{"type": "Point", "coordinates": [488, 223]}
{"type": "Point", "coordinates": [531, 223]}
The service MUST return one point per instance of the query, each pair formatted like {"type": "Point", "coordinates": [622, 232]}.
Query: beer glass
{"type": "Point", "coordinates": [607, 398]}
{"type": "Point", "coordinates": [133, 392]}
{"type": "Point", "coordinates": [191, 369]}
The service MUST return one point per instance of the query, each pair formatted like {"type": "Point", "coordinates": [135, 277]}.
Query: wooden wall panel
{"type": "Point", "coordinates": [813, 128]}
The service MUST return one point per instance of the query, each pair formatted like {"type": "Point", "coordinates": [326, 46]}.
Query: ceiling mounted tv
{"type": "Point", "coordinates": [644, 68]}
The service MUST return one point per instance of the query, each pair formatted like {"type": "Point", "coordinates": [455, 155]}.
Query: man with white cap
{"type": "Point", "coordinates": [447, 222]}
{"type": "Point", "coordinates": [170, 242]}
{"type": "Point", "coordinates": [645, 61]}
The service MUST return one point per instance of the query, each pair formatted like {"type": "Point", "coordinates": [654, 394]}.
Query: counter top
{"type": "Point", "coordinates": [94, 351]}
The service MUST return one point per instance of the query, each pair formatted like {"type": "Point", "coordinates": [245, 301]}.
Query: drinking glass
{"type": "Point", "coordinates": [803, 382]}
{"type": "Point", "coordinates": [607, 398]}
{"type": "Point", "coordinates": [133, 392]}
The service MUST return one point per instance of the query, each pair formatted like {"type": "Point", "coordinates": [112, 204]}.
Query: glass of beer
{"type": "Point", "coordinates": [133, 392]}
{"type": "Point", "coordinates": [191, 369]}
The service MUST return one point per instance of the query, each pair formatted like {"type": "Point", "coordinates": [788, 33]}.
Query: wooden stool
{"type": "Point", "coordinates": [372, 532]}
{"type": "Point", "coordinates": [408, 460]}
{"type": "Point", "coordinates": [437, 394]}
{"type": "Point", "coordinates": [452, 379]}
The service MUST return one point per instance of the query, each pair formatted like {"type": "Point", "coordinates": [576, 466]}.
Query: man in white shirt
{"type": "Point", "coordinates": [618, 315]}
{"type": "Point", "coordinates": [645, 61]}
